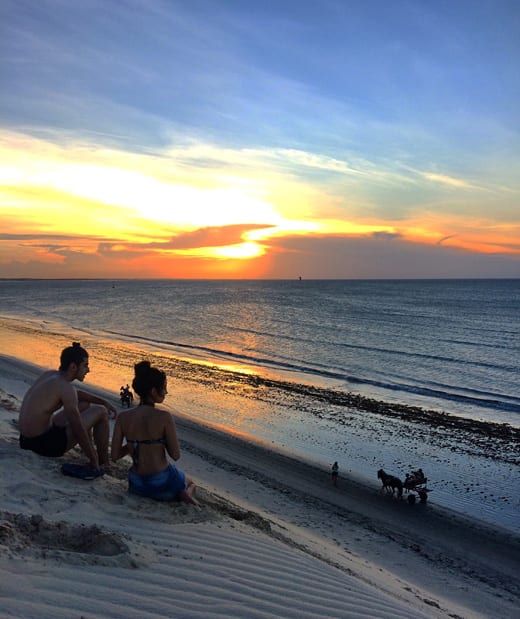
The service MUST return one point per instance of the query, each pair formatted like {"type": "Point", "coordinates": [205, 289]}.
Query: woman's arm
{"type": "Point", "coordinates": [118, 450]}
{"type": "Point", "coordinates": [172, 442]}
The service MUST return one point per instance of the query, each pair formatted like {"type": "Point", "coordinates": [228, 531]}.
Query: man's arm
{"type": "Point", "coordinates": [83, 396]}
{"type": "Point", "coordinates": [69, 398]}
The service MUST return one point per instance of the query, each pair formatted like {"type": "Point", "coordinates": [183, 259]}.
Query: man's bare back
{"type": "Point", "coordinates": [45, 397]}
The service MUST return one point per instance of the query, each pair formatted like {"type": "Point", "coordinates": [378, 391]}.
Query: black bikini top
{"type": "Point", "coordinates": [149, 441]}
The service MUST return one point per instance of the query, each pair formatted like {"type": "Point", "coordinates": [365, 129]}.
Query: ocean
{"type": "Point", "coordinates": [372, 374]}
{"type": "Point", "coordinates": [450, 345]}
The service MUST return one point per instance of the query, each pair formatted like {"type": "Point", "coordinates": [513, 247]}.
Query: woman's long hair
{"type": "Point", "coordinates": [146, 378]}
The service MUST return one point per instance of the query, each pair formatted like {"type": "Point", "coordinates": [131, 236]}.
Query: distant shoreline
{"type": "Point", "coordinates": [268, 279]}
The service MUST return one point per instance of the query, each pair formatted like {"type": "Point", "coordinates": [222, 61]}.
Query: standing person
{"type": "Point", "coordinates": [130, 395]}
{"type": "Point", "coordinates": [150, 435]}
{"type": "Point", "coordinates": [55, 416]}
{"type": "Point", "coordinates": [334, 473]}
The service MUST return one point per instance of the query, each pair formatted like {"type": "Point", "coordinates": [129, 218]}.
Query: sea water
{"type": "Point", "coordinates": [447, 345]}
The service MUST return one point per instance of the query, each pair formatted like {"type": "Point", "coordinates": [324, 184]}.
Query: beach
{"type": "Point", "coordinates": [472, 464]}
{"type": "Point", "coordinates": [272, 537]}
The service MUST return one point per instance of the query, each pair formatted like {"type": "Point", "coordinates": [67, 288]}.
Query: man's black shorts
{"type": "Point", "coordinates": [52, 443]}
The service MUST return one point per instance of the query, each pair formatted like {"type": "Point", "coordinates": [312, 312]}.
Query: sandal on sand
{"type": "Point", "coordinates": [81, 471]}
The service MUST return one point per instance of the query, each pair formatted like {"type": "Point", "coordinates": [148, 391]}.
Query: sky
{"type": "Point", "coordinates": [238, 139]}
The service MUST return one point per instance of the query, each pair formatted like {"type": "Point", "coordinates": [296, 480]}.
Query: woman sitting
{"type": "Point", "coordinates": [149, 433]}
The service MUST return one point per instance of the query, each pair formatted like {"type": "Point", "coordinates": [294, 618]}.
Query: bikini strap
{"type": "Point", "coordinates": [149, 441]}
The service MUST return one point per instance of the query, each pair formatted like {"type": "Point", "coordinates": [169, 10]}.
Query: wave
{"type": "Point", "coordinates": [448, 393]}
{"type": "Point", "coordinates": [385, 351]}
{"type": "Point", "coordinates": [489, 400]}
{"type": "Point", "coordinates": [249, 359]}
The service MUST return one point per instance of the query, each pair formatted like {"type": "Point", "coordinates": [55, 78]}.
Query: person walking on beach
{"type": "Point", "coordinates": [334, 473]}
{"type": "Point", "coordinates": [55, 416]}
{"type": "Point", "coordinates": [148, 434]}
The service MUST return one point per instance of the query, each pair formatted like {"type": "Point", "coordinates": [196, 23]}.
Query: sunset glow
{"type": "Point", "coordinates": [211, 183]}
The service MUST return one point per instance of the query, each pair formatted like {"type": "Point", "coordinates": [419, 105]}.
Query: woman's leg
{"type": "Point", "coordinates": [188, 494]}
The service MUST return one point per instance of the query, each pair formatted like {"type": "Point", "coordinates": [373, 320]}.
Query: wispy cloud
{"type": "Point", "coordinates": [448, 180]}
{"type": "Point", "coordinates": [446, 238]}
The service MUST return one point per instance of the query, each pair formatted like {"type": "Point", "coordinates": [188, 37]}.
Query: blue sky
{"type": "Point", "coordinates": [387, 126]}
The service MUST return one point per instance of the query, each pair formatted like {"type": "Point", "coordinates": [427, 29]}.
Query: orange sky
{"type": "Point", "coordinates": [80, 211]}
{"type": "Point", "coordinates": [200, 152]}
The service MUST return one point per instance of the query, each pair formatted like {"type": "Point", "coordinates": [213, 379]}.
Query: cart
{"type": "Point", "coordinates": [415, 486]}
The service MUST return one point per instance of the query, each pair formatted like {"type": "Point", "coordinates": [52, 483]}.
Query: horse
{"type": "Point", "coordinates": [390, 483]}
{"type": "Point", "coordinates": [126, 396]}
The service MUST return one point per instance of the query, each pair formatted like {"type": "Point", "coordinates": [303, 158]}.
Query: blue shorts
{"type": "Point", "coordinates": [163, 486]}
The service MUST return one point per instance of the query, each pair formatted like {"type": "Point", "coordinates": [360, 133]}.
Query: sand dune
{"type": "Point", "coordinates": [272, 538]}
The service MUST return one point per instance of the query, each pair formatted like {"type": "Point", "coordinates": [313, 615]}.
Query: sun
{"type": "Point", "coordinates": [242, 251]}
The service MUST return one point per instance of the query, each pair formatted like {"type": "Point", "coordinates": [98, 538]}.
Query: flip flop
{"type": "Point", "coordinates": [81, 471]}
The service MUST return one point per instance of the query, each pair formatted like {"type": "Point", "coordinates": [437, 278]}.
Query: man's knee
{"type": "Point", "coordinates": [101, 415]}
{"type": "Point", "coordinates": [104, 414]}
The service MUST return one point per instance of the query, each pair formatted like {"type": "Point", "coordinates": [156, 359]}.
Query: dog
{"type": "Point", "coordinates": [390, 483]}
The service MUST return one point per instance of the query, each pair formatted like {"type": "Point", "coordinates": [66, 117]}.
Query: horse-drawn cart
{"type": "Point", "coordinates": [415, 486]}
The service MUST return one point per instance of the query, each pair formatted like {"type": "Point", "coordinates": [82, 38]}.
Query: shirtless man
{"type": "Point", "coordinates": [55, 416]}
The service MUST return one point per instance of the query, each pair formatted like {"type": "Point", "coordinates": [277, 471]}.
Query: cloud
{"type": "Point", "coordinates": [448, 180]}
{"type": "Point", "coordinates": [386, 236]}
{"type": "Point", "coordinates": [339, 256]}
{"type": "Point", "coordinates": [367, 257]}
{"type": "Point", "coordinates": [35, 237]}
{"type": "Point", "coordinates": [446, 238]}
{"type": "Point", "coordinates": [213, 236]}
